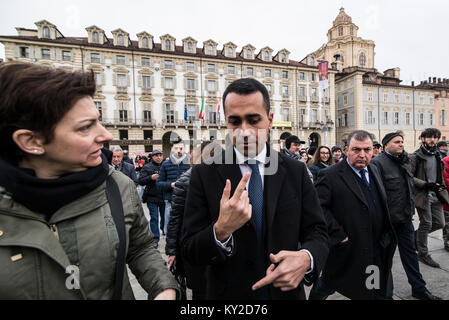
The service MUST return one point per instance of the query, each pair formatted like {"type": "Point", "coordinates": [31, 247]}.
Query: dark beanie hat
{"type": "Point", "coordinates": [335, 148]}
{"type": "Point", "coordinates": [442, 144]}
{"type": "Point", "coordinates": [390, 136]}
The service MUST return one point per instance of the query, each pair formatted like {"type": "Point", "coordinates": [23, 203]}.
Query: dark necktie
{"type": "Point", "coordinates": [362, 174]}
{"type": "Point", "coordinates": [116, 167]}
{"type": "Point", "coordinates": [255, 192]}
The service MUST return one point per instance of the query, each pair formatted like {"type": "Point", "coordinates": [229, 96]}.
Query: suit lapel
{"type": "Point", "coordinates": [272, 188]}
{"type": "Point", "coordinates": [349, 179]}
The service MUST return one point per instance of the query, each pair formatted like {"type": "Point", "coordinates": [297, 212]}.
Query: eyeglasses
{"type": "Point", "coordinates": [324, 153]}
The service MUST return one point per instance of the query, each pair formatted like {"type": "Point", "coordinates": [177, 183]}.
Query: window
{"type": "Point", "coordinates": [66, 55]}
{"type": "Point", "coordinates": [167, 45]}
{"type": "Point", "coordinates": [120, 40]}
{"type": "Point", "coordinates": [121, 60]}
{"type": "Point", "coordinates": [385, 97]}
{"type": "Point", "coordinates": [46, 54]}
{"type": "Point", "coordinates": [285, 91]}
{"type": "Point", "coordinates": [370, 96]}
{"type": "Point", "coordinates": [283, 58]}
{"type": "Point", "coordinates": [313, 92]}
{"type": "Point", "coordinates": [362, 59]}
{"type": "Point", "coordinates": [345, 99]}
{"type": "Point", "coordinates": [396, 98]}
{"type": "Point", "coordinates": [95, 37]}
{"type": "Point", "coordinates": [145, 62]}
{"type": "Point", "coordinates": [407, 118]}
{"type": "Point", "coordinates": [266, 56]}
{"type": "Point", "coordinates": [121, 80]}
{"type": "Point", "coordinates": [314, 115]}
{"type": "Point", "coordinates": [443, 118]}
{"type": "Point", "coordinates": [231, 69]}
{"type": "Point", "coordinates": [369, 119]}
{"type": "Point", "coordinates": [249, 71]}
{"type": "Point", "coordinates": [169, 84]}
{"type": "Point", "coordinates": [212, 114]}
{"type": "Point", "coordinates": [95, 58]}
{"type": "Point", "coordinates": [431, 119]}
{"type": "Point", "coordinates": [313, 76]}
{"type": "Point", "coordinates": [331, 35]}
{"type": "Point", "coordinates": [98, 79]}
{"type": "Point", "coordinates": [46, 32]}
{"type": "Point", "coordinates": [302, 76]}
{"type": "Point", "coordinates": [351, 31]}
{"type": "Point", "coordinates": [396, 118]}
{"type": "Point", "coordinates": [421, 119]}
{"type": "Point", "coordinates": [146, 82]}
{"type": "Point", "coordinates": [268, 86]}
{"type": "Point", "coordinates": [123, 134]}
{"type": "Point", "coordinates": [249, 54]}
{"type": "Point", "coordinates": [340, 31]}
{"type": "Point", "coordinates": [302, 91]}
{"type": "Point", "coordinates": [210, 67]}
{"type": "Point", "coordinates": [210, 50]}
{"type": "Point", "coordinates": [385, 118]}
{"type": "Point", "coordinates": [284, 74]}
{"type": "Point", "coordinates": [421, 100]}
{"type": "Point", "coordinates": [285, 114]}
{"type": "Point", "coordinates": [302, 115]}
{"type": "Point", "coordinates": [168, 64]}
{"type": "Point", "coordinates": [190, 66]}
{"type": "Point", "coordinates": [230, 52]}
{"type": "Point", "coordinates": [146, 116]}
{"type": "Point", "coordinates": [145, 42]}
{"type": "Point", "coordinates": [24, 52]}
{"type": "Point", "coordinates": [407, 98]}
{"type": "Point", "coordinates": [268, 73]}
{"type": "Point", "coordinates": [169, 114]}
{"type": "Point", "coordinates": [211, 85]}
{"type": "Point", "coordinates": [191, 113]}
{"type": "Point", "coordinates": [190, 84]}
{"type": "Point", "coordinates": [100, 110]}
{"type": "Point", "coordinates": [123, 117]}
{"type": "Point", "coordinates": [189, 46]}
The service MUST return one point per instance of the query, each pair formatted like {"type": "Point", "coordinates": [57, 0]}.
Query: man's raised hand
{"type": "Point", "coordinates": [234, 211]}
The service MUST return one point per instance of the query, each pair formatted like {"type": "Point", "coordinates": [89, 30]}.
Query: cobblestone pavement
{"type": "Point", "coordinates": [437, 279]}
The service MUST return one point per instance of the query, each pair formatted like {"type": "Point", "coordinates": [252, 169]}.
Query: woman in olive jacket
{"type": "Point", "coordinates": [60, 236]}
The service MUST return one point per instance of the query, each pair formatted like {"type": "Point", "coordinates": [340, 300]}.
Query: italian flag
{"type": "Point", "coordinates": [201, 116]}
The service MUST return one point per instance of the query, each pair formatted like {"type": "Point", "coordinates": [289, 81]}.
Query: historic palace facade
{"type": "Point", "coordinates": [145, 88]}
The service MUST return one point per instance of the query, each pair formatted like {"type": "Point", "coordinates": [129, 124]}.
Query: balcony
{"type": "Point", "coordinates": [302, 99]}
{"type": "Point", "coordinates": [314, 98]}
{"type": "Point", "coordinates": [146, 91]}
{"type": "Point", "coordinates": [211, 94]}
{"type": "Point", "coordinates": [123, 90]}
{"type": "Point", "coordinates": [191, 93]}
{"type": "Point", "coordinates": [285, 97]}
{"type": "Point", "coordinates": [169, 92]}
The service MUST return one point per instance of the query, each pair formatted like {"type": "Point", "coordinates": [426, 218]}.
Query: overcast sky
{"type": "Point", "coordinates": [409, 34]}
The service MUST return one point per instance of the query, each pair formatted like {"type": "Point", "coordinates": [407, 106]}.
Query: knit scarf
{"type": "Point", "coordinates": [177, 161]}
{"type": "Point", "coordinates": [401, 159]}
{"type": "Point", "coordinates": [46, 196]}
{"type": "Point", "coordinates": [291, 154]}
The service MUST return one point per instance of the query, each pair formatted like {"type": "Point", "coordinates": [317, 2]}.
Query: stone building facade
{"type": "Point", "coordinates": [145, 86]}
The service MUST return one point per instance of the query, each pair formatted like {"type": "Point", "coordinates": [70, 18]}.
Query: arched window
{"type": "Point", "coordinates": [248, 54]}
{"type": "Point", "coordinates": [266, 56]}
{"type": "Point", "coordinates": [340, 31]}
{"type": "Point", "coordinates": [120, 40]}
{"type": "Point", "coordinates": [362, 59]}
{"type": "Point", "coordinates": [189, 46]}
{"type": "Point", "coordinates": [145, 42]}
{"type": "Point", "coordinates": [230, 52]}
{"type": "Point", "coordinates": [210, 49]}
{"type": "Point", "coordinates": [46, 32]}
{"type": "Point", "coordinates": [167, 45]}
{"type": "Point", "coordinates": [311, 61]}
{"type": "Point", "coordinates": [95, 37]}
{"type": "Point", "coordinates": [283, 58]}
{"type": "Point", "coordinates": [352, 31]}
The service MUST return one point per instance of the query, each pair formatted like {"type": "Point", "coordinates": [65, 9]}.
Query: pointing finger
{"type": "Point", "coordinates": [268, 279]}
{"type": "Point", "coordinates": [226, 191]}
{"type": "Point", "coordinates": [241, 186]}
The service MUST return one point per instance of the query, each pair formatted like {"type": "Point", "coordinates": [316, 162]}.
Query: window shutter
{"type": "Point", "coordinates": [196, 84]}
{"type": "Point", "coordinates": [17, 52]}
{"type": "Point", "coordinates": [140, 81]}
{"type": "Point", "coordinates": [128, 80]}
{"type": "Point", "coordinates": [163, 83]}
{"type": "Point", "coordinates": [103, 78]}
{"type": "Point", "coordinates": [114, 79]}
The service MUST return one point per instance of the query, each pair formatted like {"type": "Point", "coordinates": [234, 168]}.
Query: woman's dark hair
{"type": "Point", "coordinates": [36, 98]}
{"type": "Point", "coordinates": [317, 157]}
{"type": "Point", "coordinates": [247, 86]}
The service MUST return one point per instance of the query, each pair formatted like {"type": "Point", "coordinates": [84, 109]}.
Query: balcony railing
{"type": "Point", "coordinates": [169, 92]}
{"type": "Point", "coordinates": [122, 89]}
{"type": "Point", "coordinates": [146, 91]}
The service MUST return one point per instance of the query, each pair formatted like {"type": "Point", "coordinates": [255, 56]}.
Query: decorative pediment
{"type": "Point", "coordinates": [145, 40]}
{"type": "Point", "coordinates": [229, 49]}
{"type": "Point", "coordinates": [189, 45]}
{"type": "Point", "coordinates": [121, 38]}
{"type": "Point", "coordinates": [168, 42]}
{"type": "Point", "coordinates": [96, 35]}
{"type": "Point", "coordinates": [47, 30]}
{"type": "Point", "coordinates": [265, 54]}
{"type": "Point", "coordinates": [282, 56]}
{"type": "Point", "coordinates": [210, 47]}
{"type": "Point", "coordinates": [248, 52]}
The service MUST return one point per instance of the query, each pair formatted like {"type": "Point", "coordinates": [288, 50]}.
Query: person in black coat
{"type": "Point", "coordinates": [259, 242]}
{"type": "Point", "coordinates": [152, 195]}
{"type": "Point", "coordinates": [362, 240]}
{"type": "Point", "coordinates": [122, 166]}
{"type": "Point", "coordinates": [322, 159]}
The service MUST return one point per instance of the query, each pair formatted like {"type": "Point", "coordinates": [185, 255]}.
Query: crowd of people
{"type": "Point", "coordinates": [241, 222]}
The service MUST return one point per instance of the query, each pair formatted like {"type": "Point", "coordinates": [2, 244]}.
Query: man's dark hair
{"type": "Point", "coordinates": [36, 98]}
{"type": "Point", "coordinates": [247, 86]}
{"type": "Point", "coordinates": [359, 135]}
{"type": "Point", "coordinates": [430, 133]}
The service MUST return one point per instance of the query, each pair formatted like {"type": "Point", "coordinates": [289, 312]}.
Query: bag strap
{"type": "Point", "coordinates": [116, 205]}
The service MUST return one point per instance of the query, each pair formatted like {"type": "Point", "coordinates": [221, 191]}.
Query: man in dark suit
{"type": "Point", "coordinates": [252, 217]}
{"type": "Point", "coordinates": [122, 166]}
{"type": "Point", "coordinates": [362, 241]}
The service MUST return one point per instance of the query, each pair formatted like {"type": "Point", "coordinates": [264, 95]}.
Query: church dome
{"type": "Point", "coordinates": [342, 18]}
